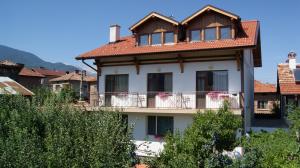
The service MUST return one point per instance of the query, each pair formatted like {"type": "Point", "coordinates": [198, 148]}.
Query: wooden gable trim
{"type": "Point", "coordinates": [151, 15]}
{"type": "Point", "coordinates": [210, 8]}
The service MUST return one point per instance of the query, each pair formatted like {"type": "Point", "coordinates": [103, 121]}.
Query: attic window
{"type": "Point", "coordinates": [225, 32]}
{"type": "Point", "coordinates": [195, 35]}
{"type": "Point", "coordinates": [169, 37]}
{"type": "Point", "coordinates": [143, 40]}
{"type": "Point", "coordinates": [156, 38]}
{"type": "Point", "coordinates": [297, 75]}
{"type": "Point", "coordinates": [210, 34]}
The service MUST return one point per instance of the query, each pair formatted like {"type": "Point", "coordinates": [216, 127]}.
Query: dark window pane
{"type": "Point", "coordinates": [160, 82]}
{"type": "Point", "coordinates": [262, 104]}
{"type": "Point", "coordinates": [225, 33]}
{"type": "Point", "coordinates": [156, 38]}
{"type": "Point", "coordinates": [143, 40]}
{"type": "Point", "coordinates": [164, 125]}
{"type": "Point", "coordinates": [169, 37]}
{"type": "Point", "coordinates": [210, 34]}
{"type": "Point", "coordinates": [220, 81]}
{"type": "Point", "coordinates": [212, 81]}
{"type": "Point", "coordinates": [195, 35]}
{"type": "Point", "coordinates": [151, 125]}
{"type": "Point", "coordinates": [116, 83]}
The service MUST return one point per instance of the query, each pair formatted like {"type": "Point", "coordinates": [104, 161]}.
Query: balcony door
{"type": "Point", "coordinates": [114, 85]}
{"type": "Point", "coordinates": [158, 82]}
{"type": "Point", "coordinates": [208, 81]}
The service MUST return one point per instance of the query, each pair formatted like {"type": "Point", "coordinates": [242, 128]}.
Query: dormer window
{"type": "Point", "coordinates": [144, 40]}
{"type": "Point", "coordinates": [156, 38]}
{"type": "Point", "coordinates": [210, 34]}
{"type": "Point", "coordinates": [225, 32]}
{"type": "Point", "coordinates": [195, 35]}
{"type": "Point", "coordinates": [168, 37]}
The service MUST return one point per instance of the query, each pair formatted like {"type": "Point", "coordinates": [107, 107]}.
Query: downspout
{"type": "Point", "coordinates": [97, 76]}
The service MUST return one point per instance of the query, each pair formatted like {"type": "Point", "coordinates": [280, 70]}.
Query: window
{"type": "Point", "coordinates": [169, 37]}
{"type": "Point", "coordinates": [262, 104]}
{"type": "Point", "coordinates": [212, 81]}
{"type": "Point", "coordinates": [143, 40]}
{"type": "Point", "coordinates": [225, 33]}
{"type": "Point", "coordinates": [210, 34]}
{"type": "Point", "coordinates": [114, 85]}
{"type": "Point", "coordinates": [195, 35]}
{"type": "Point", "coordinates": [160, 125]}
{"type": "Point", "coordinates": [160, 82]}
{"type": "Point", "coordinates": [156, 38]}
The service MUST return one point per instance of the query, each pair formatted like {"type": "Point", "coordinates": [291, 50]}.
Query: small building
{"type": "Point", "coordinates": [73, 81]}
{"type": "Point", "coordinates": [10, 69]}
{"type": "Point", "coordinates": [288, 75]}
{"type": "Point", "coordinates": [30, 78]}
{"type": "Point", "coordinates": [49, 74]}
{"type": "Point", "coordinates": [265, 99]}
{"type": "Point", "coordinates": [11, 87]}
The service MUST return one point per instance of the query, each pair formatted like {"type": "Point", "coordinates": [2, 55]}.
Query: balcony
{"type": "Point", "coordinates": [164, 101]}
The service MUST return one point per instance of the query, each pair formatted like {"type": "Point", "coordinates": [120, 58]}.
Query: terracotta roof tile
{"type": "Point", "coordinates": [48, 72]}
{"type": "Point", "coordinates": [30, 72]}
{"type": "Point", "coordinates": [73, 77]}
{"type": "Point", "coordinates": [260, 87]}
{"type": "Point", "coordinates": [286, 80]}
{"type": "Point", "coordinates": [127, 45]}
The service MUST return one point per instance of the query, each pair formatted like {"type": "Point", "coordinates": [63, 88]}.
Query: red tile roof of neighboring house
{"type": "Point", "coordinates": [127, 45]}
{"type": "Point", "coordinates": [30, 72]}
{"type": "Point", "coordinates": [9, 86]}
{"type": "Point", "coordinates": [286, 80]}
{"type": "Point", "coordinates": [48, 72]}
{"type": "Point", "coordinates": [260, 87]}
{"type": "Point", "coordinates": [74, 77]}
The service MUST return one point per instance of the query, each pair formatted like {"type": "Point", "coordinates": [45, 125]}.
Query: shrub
{"type": "Point", "coordinates": [59, 135]}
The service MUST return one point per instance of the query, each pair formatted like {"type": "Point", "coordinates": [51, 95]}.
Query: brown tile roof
{"type": "Point", "coordinates": [9, 86]}
{"type": "Point", "coordinates": [260, 87]}
{"type": "Point", "coordinates": [127, 45]}
{"type": "Point", "coordinates": [286, 80]}
{"type": "Point", "coordinates": [48, 72]}
{"type": "Point", "coordinates": [30, 72]}
{"type": "Point", "coordinates": [74, 77]}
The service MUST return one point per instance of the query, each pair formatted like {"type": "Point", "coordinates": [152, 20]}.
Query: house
{"type": "Point", "coordinates": [49, 74]}
{"type": "Point", "coordinates": [78, 82]}
{"type": "Point", "coordinates": [30, 78]}
{"type": "Point", "coordinates": [266, 100]}
{"type": "Point", "coordinates": [166, 71]}
{"type": "Point", "coordinates": [11, 87]}
{"type": "Point", "coordinates": [10, 69]}
{"type": "Point", "coordinates": [288, 76]}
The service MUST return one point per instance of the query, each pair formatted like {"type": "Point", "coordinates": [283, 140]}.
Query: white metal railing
{"type": "Point", "coordinates": [168, 100]}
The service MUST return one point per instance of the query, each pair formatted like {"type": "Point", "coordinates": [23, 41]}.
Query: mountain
{"type": "Point", "coordinates": [31, 60]}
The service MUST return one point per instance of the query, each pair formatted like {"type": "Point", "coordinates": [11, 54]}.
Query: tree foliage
{"type": "Point", "coordinates": [59, 135]}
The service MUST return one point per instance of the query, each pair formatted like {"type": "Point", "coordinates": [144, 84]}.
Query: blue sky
{"type": "Point", "coordinates": [59, 30]}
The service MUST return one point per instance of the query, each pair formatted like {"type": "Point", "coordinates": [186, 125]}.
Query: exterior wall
{"type": "Point", "coordinates": [75, 86]}
{"type": "Point", "coordinates": [139, 123]}
{"type": "Point", "coordinates": [10, 71]}
{"type": "Point", "coordinates": [248, 88]}
{"type": "Point", "coordinates": [182, 82]}
{"type": "Point", "coordinates": [30, 82]}
{"type": "Point", "coordinates": [271, 98]}
{"type": "Point", "coordinates": [93, 93]}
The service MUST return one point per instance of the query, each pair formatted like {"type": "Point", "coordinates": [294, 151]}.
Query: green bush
{"type": "Point", "coordinates": [59, 135]}
{"type": "Point", "coordinates": [210, 133]}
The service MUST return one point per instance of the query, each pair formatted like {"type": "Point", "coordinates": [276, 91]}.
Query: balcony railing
{"type": "Point", "coordinates": [166, 100]}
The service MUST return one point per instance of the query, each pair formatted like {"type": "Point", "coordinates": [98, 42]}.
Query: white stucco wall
{"type": "Point", "coordinates": [139, 122]}
{"type": "Point", "coordinates": [248, 88]}
{"type": "Point", "coordinates": [182, 82]}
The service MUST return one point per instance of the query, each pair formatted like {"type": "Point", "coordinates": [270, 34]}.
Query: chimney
{"type": "Point", "coordinates": [292, 60]}
{"type": "Point", "coordinates": [114, 33]}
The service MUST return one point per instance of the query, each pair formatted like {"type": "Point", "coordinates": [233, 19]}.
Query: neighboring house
{"type": "Point", "coordinates": [11, 87]}
{"type": "Point", "coordinates": [265, 98]}
{"type": "Point", "coordinates": [49, 74]}
{"type": "Point", "coordinates": [30, 78]}
{"type": "Point", "coordinates": [288, 75]}
{"type": "Point", "coordinates": [10, 69]}
{"type": "Point", "coordinates": [166, 71]}
{"type": "Point", "coordinates": [78, 82]}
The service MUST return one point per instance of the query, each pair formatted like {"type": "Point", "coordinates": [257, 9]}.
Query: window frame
{"type": "Point", "coordinates": [264, 104]}
{"type": "Point", "coordinates": [215, 33]}
{"type": "Point", "coordinates": [164, 37]}
{"type": "Point", "coordinates": [200, 36]}
{"type": "Point", "coordinates": [220, 32]}
{"type": "Point", "coordinates": [139, 42]}
{"type": "Point", "coordinates": [156, 125]}
{"type": "Point", "coordinates": [160, 39]}
{"type": "Point", "coordinates": [212, 71]}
